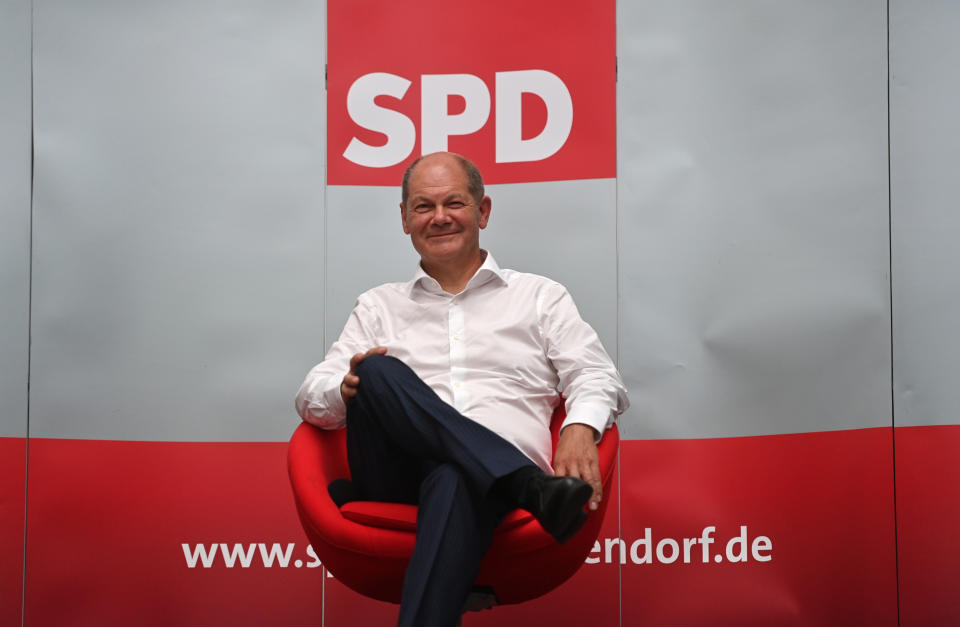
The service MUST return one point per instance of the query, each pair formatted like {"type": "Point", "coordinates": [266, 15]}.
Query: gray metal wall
{"type": "Point", "coordinates": [752, 191]}
{"type": "Point", "coordinates": [925, 151]}
{"type": "Point", "coordinates": [14, 214]}
{"type": "Point", "coordinates": [178, 209]}
{"type": "Point", "coordinates": [178, 220]}
{"type": "Point", "coordinates": [14, 294]}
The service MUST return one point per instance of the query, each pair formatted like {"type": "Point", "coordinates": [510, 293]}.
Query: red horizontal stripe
{"type": "Point", "coordinates": [107, 520]}
{"type": "Point", "coordinates": [13, 463]}
{"type": "Point", "coordinates": [928, 524]}
{"type": "Point", "coordinates": [825, 501]}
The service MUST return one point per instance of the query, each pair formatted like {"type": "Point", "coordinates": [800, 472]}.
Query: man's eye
{"type": "Point", "coordinates": [421, 208]}
{"type": "Point", "coordinates": [456, 204]}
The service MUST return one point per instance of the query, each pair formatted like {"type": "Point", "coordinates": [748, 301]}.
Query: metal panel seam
{"type": "Point", "coordinates": [893, 405]}
{"type": "Point", "coordinates": [26, 481]}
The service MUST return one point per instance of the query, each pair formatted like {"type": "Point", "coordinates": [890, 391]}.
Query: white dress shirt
{"type": "Point", "coordinates": [501, 352]}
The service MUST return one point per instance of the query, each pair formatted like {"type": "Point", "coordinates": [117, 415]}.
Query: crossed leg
{"type": "Point", "coordinates": [405, 444]}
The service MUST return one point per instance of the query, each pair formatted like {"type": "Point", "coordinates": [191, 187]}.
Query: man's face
{"type": "Point", "coordinates": [441, 217]}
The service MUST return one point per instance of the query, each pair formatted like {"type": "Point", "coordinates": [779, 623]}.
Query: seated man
{"type": "Point", "coordinates": [446, 385]}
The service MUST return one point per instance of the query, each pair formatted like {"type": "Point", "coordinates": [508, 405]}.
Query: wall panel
{"type": "Point", "coordinates": [753, 218]}
{"type": "Point", "coordinates": [754, 314]}
{"type": "Point", "coordinates": [924, 150]}
{"type": "Point", "coordinates": [178, 286]}
{"type": "Point", "coordinates": [15, 173]}
{"type": "Point", "coordinates": [178, 227]}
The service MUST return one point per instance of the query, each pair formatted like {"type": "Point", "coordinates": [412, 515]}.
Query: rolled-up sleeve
{"type": "Point", "coordinates": [318, 400]}
{"type": "Point", "coordinates": [589, 380]}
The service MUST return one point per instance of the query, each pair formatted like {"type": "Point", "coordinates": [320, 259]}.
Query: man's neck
{"type": "Point", "coordinates": [453, 277]}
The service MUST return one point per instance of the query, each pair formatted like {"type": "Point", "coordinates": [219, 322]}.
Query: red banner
{"type": "Point", "coordinates": [928, 508]}
{"type": "Point", "coordinates": [13, 468]}
{"type": "Point", "coordinates": [526, 90]}
{"type": "Point", "coordinates": [164, 533]}
{"type": "Point", "coordinates": [770, 530]}
{"type": "Point", "coordinates": [789, 529]}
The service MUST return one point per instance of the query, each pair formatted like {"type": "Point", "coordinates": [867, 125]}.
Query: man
{"type": "Point", "coordinates": [446, 385]}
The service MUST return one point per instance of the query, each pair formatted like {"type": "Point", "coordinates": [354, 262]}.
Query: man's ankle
{"type": "Point", "coordinates": [511, 488]}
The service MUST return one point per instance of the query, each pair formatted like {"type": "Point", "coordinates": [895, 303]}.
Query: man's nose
{"type": "Point", "coordinates": [440, 215]}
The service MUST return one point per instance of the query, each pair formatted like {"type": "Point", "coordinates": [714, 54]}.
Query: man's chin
{"type": "Point", "coordinates": [441, 254]}
{"type": "Point", "coordinates": [444, 246]}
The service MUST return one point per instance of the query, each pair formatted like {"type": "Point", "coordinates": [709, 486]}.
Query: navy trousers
{"type": "Point", "coordinates": [405, 444]}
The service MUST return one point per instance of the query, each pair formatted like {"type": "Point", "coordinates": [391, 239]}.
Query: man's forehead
{"type": "Point", "coordinates": [434, 191]}
{"type": "Point", "coordinates": [438, 176]}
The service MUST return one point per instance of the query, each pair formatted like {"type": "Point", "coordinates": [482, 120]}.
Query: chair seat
{"type": "Point", "coordinates": [404, 517]}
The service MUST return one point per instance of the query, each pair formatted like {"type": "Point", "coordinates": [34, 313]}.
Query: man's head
{"type": "Point", "coordinates": [474, 178]}
{"type": "Point", "coordinates": [444, 209]}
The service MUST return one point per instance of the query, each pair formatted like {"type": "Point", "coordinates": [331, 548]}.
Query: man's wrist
{"type": "Point", "coordinates": [580, 429]}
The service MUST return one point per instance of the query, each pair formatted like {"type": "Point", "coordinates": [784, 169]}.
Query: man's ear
{"type": "Point", "coordinates": [485, 205]}
{"type": "Point", "coordinates": [403, 219]}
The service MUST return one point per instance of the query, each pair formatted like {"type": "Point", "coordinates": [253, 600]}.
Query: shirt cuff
{"type": "Point", "coordinates": [594, 415]}
{"type": "Point", "coordinates": [329, 410]}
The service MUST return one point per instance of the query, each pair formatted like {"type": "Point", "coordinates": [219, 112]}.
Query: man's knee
{"type": "Point", "coordinates": [374, 370]}
{"type": "Point", "coordinates": [382, 372]}
{"type": "Point", "coordinates": [377, 366]}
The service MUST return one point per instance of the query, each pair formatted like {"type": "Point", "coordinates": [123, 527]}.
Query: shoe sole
{"type": "Point", "coordinates": [572, 508]}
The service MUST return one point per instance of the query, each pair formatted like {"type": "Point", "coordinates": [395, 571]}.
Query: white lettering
{"type": "Point", "coordinates": [706, 541]}
{"type": "Point", "coordinates": [612, 542]}
{"type": "Point", "coordinates": [595, 549]}
{"type": "Point", "coordinates": [399, 129]}
{"type": "Point", "coordinates": [283, 558]}
{"type": "Point", "coordinates": [313, 556]}
{"type": "Point", "coordinates": [688, 543]}
{"type": "Point", "coordinates": [644, 542]}
{"type": "Point", "coordinates": [740, 541]}
{"type": "Point", "coordinates": [762, 543]}
{"type": "Point", "coordinates": [510, 87]}
{"type": "Point", "coordinates": [436, 123]}
{"type": "Point", "coordinates": [674, 551]}
{"type": "Point", "coordinates": [199, 553]}
{"type": "Point", "coordinates": [230, 556]}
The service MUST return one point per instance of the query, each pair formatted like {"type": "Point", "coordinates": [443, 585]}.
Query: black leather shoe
{"type": "Point", "coordinates": [557, 503]}
{"type": "Point", "coordinates": [342, 491]}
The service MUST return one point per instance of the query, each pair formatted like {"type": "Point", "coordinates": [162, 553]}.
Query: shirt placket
{"type": "Point", "coordinates": [458, 353]}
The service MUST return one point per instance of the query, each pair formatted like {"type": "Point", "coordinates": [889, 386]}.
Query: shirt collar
{"type": "Point", "coordinates": [486, 272]}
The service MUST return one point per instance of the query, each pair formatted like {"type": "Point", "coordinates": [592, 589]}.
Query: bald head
{"type": "Point", "coordinates": [470, 170]}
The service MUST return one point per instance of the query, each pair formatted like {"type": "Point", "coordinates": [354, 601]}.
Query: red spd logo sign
{"type": "Point", "coordinates": [525, 89]}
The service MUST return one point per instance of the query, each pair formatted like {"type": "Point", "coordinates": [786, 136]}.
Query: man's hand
{"type": "Point", "coordinates": [577, 456]}
{"type": "Point", "coordinates": [348, 388]}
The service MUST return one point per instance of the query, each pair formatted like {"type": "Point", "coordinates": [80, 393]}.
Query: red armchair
{"type": "Point", "coordinates": [366, 545]}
